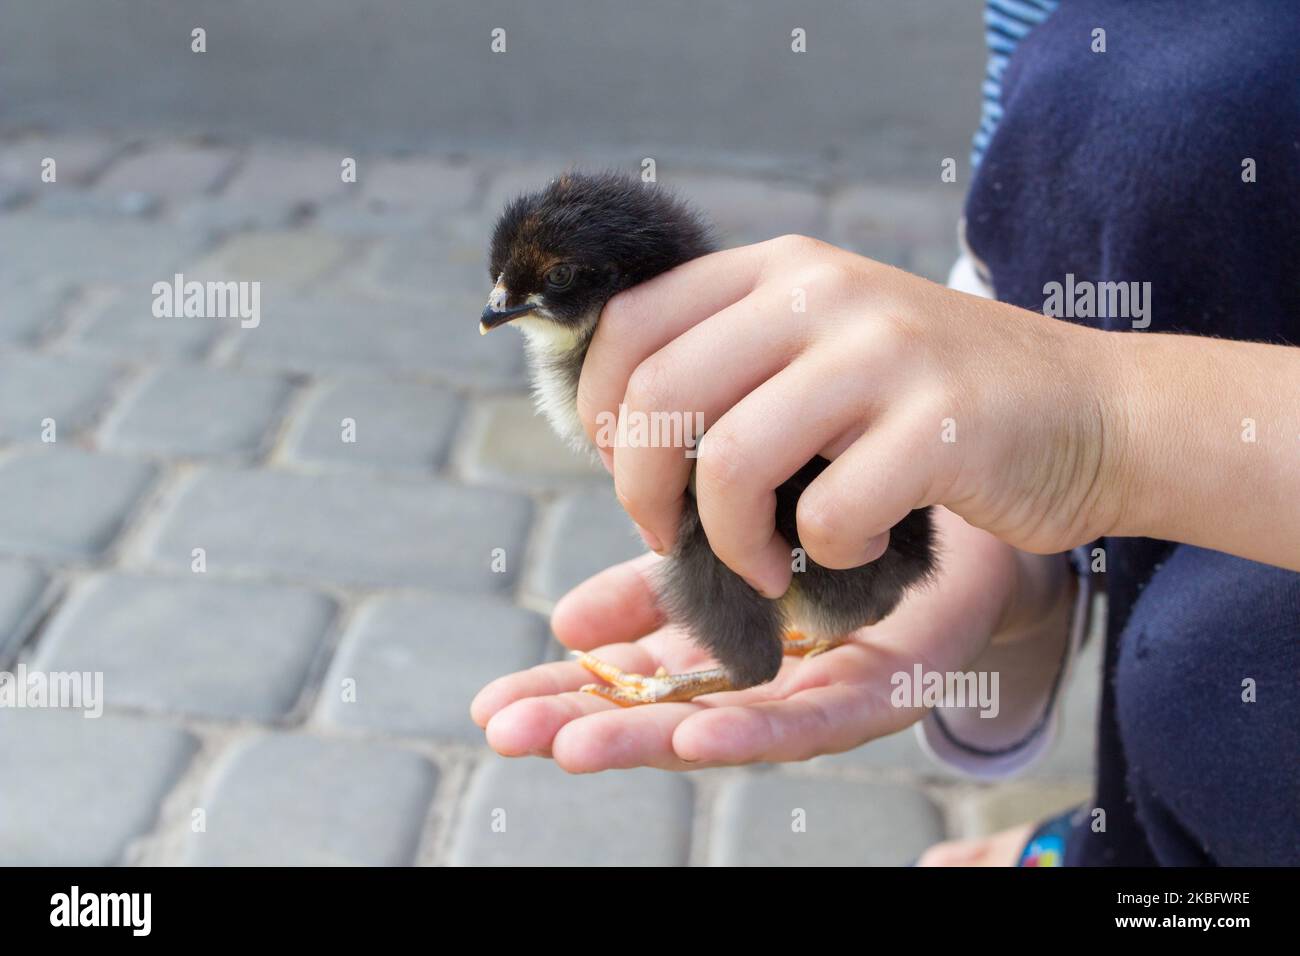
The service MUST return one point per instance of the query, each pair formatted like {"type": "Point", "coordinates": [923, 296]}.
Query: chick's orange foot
{"type": "Point", "coordinates": [795, 644]}
{"type": "Point", "coordinates": [630, 690]}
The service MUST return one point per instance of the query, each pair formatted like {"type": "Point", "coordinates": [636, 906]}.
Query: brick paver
{"type": "Point", "coordinates": [530, 813]}
{"type": "Point", "coordinates": [38, 389]}
{"type": "Point", "coordinates": [190, 645]}
{"type": "Point", "coordinates": [118, 322]}
{"type": "Point", "coordinates": [770, 820]}
{"type": "Point", "coordinates": [293, 799]}
{"type": "Point", "coordinates": [406, 663]}
{"type": "Point", "coordinates": [67, 503]}
{"type": "Point", "coordinates": [75, 790]}
{"type": "Point", "coordinates": [20, 586]}
{"type": "Point", "coordinates": [345, 529]}
{"type": "Point", "coordinates": [370, 423]}
{"type": "Point", "coordinates": [168, 170]}
{"type": "Point", "coordinates": [584, 533]}
{"type": "Point", "coordinates": [193, 411]}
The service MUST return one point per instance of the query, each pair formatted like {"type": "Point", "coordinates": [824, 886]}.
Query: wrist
{"type": "Point", "coordinates": [1116, 379]}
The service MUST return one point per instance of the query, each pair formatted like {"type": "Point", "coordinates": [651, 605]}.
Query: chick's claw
{"type": "Point", "coordinates": [631, 690]}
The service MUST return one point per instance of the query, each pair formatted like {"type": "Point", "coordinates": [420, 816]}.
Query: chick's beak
{"type": "Point", "coordinates": [496, 312]}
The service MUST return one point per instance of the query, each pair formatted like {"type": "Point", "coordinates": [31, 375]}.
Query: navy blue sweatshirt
{"type": "Point", "coordinates": [1172, 158]}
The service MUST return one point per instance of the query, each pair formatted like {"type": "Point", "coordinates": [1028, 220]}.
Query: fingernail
{"type": "Point", "coordinates": [651, 542]}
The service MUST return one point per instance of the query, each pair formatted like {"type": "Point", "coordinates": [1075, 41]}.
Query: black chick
{"type": "Point", "coordinates": [557, 256]}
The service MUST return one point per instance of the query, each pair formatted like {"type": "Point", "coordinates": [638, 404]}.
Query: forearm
{"type": "Point", "coordinates": [1207, 443]}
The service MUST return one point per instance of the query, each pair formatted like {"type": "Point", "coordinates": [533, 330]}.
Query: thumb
{"type": "Point", "coordinates": [612, 607]}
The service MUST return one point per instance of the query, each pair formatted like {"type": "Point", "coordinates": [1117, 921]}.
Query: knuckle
{"type": "Point", "coordinates": [621, 311]}
{"type": "Point", "coordinates": [650, 386]}
{"type": "Point", "coordinates": [793, 242]}
{"type": "Point", "coordinates": [889, 338]}
{"type": "Point", "coordinates": [721, 463]}
{"type": "Point", "coordinates": [826, 274]}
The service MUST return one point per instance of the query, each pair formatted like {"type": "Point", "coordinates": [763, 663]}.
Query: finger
{"type": "Point", "coordinates": [547, 680]}
{"type": "Point", "coordinates": [623, 738]}
{"type": "Point", "coordinates": [643, 736]}
{"type": "Point", "coordinates": [865, 491]}
{"type": "Point", "coordinates": [752, 450]}
{"type": "Point", "coordinates": [638, 322]}
{"type": "Point", "coordinates": [611, 607]}
{"type": "Point", "coordinates": [683, 389]}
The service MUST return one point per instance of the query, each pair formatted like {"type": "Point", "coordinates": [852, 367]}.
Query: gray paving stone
{"type": "Point", "coordinates": [287, 176]}
{"type": "Point", "coordinates": [360, 220]}
{"type": "Point", "coordinates": [77, 791]}
{"type": "Point", "coordinates": [218, 216]}
{"type": "Point", "coordinates": [120, 322]}
{"type": "Point", "coordinates": [77, 159]}
{"type": "Point", "coordinates": [288, 258]}
{"type": "Point", "coordinates": [194, 410]}
{"type": "Point", "coordinates": [417, 662]}
{"type": "Point", "coordinates": [293, 800]}
{"type": "Point", "coordinates": [584, 533]}
{"type": "Point", "coordinates": [116, 250]}
{"type": "Point", "coordinates": [991, 809]}
{"type": "Point", "coordinates": [190, 645]}
{"type": "Point", "coordinates": [168, 170]}
{"type": "Point", "coordinates": [345, 529]}
{"type": "Point", "coordinates": [439, 339]}
{"type": "Point", "coordinates": [67, 503]}
{"type": "Point", "coordinates": [28, 309]}
{"type": "Point", "coordinates": [35, 387]}
{"type": "Point", "coordinates": [394, 425]}
{"type": "Point", "coordinates": [510, 443]}
{"type": "Point", "coordinates": [934, 260]}
{"type": "Point", "coordinates": [746, 210]}
{"type": "Point", "coordinates": [531, 813]}
{"type": "Point", "coordinates": [511, 179]}
{"type": "Point", "coordinates": [20, 587]}
{"type": "Point", "coordinates": [516, 179]}
{"type": "Point", "coordinates": [766, 819]}
{"type": "Point", "coordinates": [449, 260]}
{"type": "Point", "coordinates": [80, 203]}
{"type": "Point", "coordinates": [12, 196]}
{"type": "Point", "coordinates": [400, 183]}
{"type": "Point", "coordinates": [868, 212]}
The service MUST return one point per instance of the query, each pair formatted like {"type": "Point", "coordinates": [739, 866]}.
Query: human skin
{"type": "Point", "coordinates": [987, 601]}
{"type": "Point", "coordinates": [1063, 434]}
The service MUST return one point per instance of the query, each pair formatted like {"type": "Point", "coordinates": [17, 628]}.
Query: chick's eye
{"type": "Point", "coordinates": [559, 277]}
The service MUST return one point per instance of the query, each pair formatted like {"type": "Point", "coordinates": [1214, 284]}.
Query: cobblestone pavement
{"type": "Point", "coordinates": [297, 691]}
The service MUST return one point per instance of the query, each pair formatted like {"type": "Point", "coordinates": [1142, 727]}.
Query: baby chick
{"type": "Point", "coordinates": [557, 256]}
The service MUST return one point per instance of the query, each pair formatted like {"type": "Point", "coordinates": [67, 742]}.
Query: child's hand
{"type": "Point", "coordinates": [825, 704]}
{"type": "Point", "coordinates": [920, 395]}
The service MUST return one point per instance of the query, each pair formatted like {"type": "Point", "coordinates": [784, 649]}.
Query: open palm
{"type": "Point", "coordinates": [824, 704]}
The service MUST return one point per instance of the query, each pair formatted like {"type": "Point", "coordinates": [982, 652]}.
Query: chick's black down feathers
{"type": "Point", "coordinates": [626, 232]}
{"type": "Point", "coordinates": [743, 630]}
{"type": "Point", "coordinates": [611, 223]}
